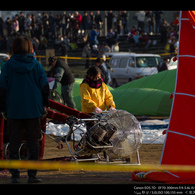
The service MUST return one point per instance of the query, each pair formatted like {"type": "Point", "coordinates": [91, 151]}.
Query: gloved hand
{"type": "Point", "coordinates": [112, 70]}
{"type": "Point", "coordinates": [44, 114]}
{"type": "Point", "coordinates": [112, 109]}
{"type": "Point", "coordinates": [98, 110]}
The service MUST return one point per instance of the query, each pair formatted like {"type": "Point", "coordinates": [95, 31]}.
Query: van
{"type": "Point", "coordinates": [130, 66]}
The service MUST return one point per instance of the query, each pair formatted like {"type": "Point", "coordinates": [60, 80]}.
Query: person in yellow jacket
{"type": "Point", "coordinates": [95, 96]}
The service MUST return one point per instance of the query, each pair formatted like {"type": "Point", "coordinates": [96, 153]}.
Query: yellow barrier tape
{"type": "Point", "coordinates": [94, 167]}
{"type": "Point", "coordinates": [166, 54]}
{"type": "Point", "coordinates": [78, 58]}
{"type": "Point", "coordinates": [81, 58]}
{"type": "Point", "coordinates": [70, 58]}
{"type": "Point", "coordinates": [39, 56]}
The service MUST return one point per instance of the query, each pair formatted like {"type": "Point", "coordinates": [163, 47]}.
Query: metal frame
{"type": "Point", "coordinates": [75, 155]}
{"type": "Point", "coordinates": [82, 121]}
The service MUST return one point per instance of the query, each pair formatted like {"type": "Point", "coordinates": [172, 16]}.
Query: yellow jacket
{"type": "Point", "coordinates": [92, 98]}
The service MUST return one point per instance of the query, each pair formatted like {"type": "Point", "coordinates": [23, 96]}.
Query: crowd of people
{"type": "Point", "coordinates": [168, 31]}
{"type": "Point", "coordinates": [74, 30]}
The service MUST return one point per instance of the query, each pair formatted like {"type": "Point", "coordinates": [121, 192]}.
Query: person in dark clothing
{"type": "Point", "coordinates": [8, 24]}
{"type": "Point", "coordinates": [157, 20]}
{"type": "Point", "coordinates": [95, 53]}
{"type": "Point", "coordinates": [92, 17]}
{"type": "Point", "coordinates": [124, 22]}
{"type": "Point", "coordinates": [98, 21]}
{"type": "Point", "coordinates": [24, 92]}
{"type": "Point", "coordinates": [63, 49]}
{"type": "Point", "coordinates": [21, 20]}
{"type": "Point", "coordinates": [52, 24]}
{"type": "Point", "coordinates": [163, 65]}
{"type": "Point", "coordinates": [62, 74]}
{"type": "Point", "coordinates": [1, 27]}
{"type": "Point", "coordinates": [85, 21]}
{"type": "Point", "coordinates": [64, 23]}
{"type": "Point", "coordinates": [109, 17]}
{"type": "Point", "coordinates": [87, 54]}
{"type": "Point", "coordinates": [163, 31]}
{"type": "Point", "coordinates": [104, 73]}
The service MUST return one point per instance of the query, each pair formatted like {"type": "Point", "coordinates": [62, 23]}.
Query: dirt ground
{"type": "Point", "coordinates": [149, 154]}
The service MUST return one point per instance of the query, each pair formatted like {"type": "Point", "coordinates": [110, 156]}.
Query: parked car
{"type": "Point", "coordinates": [172, 65]}
{"type": "Point", "coordinates": [131, 66]}
{"type": "Point", "coordinates": [2, 55]}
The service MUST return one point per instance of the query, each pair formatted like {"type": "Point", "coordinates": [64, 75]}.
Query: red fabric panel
{"type": "Point", "coordinates": [183, 115]}
{"type": "Point", "coordinates": [184, 14]}
{"type": "Point", "coordinates": [185, 78]}
{"type": "Point", "coordinates": [187, 39]}
{"type": "Point", "coordinates": [178, 150]}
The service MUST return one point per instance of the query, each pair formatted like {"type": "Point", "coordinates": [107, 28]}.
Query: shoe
{"type": "Point", "coordinates": [15, 180]}
{"type": "Point", "coordinates": [34, 180]}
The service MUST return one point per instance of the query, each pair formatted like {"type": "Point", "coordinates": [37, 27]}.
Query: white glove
{"type": "Point", "coordinates": [112, 109]}
{"type": "Point", "coordinates": [98, 110]}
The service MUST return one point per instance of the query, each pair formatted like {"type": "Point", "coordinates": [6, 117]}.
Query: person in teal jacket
{"type": "Point", "coordinates": [24, 80]}
{"type": "Point", "coordinates": [24, 92]}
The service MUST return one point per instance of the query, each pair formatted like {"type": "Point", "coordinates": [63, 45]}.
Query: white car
{"type": "Point", "coordinates": [2, 55]}
{"type": "Point", "coordinates": [172, 65]}
{"type": "Point", "coordinates": [130, 66]}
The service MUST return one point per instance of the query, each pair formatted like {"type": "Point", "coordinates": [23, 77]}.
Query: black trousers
{"type": "Point", "coordinates": [32, 130]}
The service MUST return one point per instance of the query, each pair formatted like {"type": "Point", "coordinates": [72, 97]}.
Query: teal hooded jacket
{"type": "Point", "coordinates": [24, 88]}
